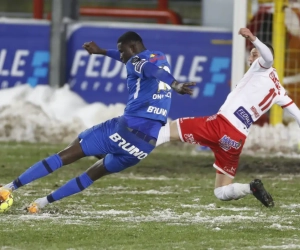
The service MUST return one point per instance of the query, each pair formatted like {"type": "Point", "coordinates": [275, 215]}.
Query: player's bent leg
{"type": "Point", "coordinates": [46, 166]}
{"type": "Point", "coordinates": [87, 144]}
{"type": "Point", "coordinates": [97, 170]}
{"type": "Point", "coordinates": [71, 153]}
{"type": "Point", "coordinates": [225, 190]}
{"type": "Point", "coordinates": [73, 186]}
{"type": "Point", "coordinates": [114, 163]}
{"type": "Point", "coordinates": [72, 143]}
{"type": "Point", "coordinates": [78, 184]}
{"type": "Point", "coordinates": [136, 149]}
{"type": "Point", "coordinates": [222, 179]}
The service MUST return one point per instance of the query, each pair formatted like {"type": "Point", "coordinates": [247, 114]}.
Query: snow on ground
{"type": "Point", "coordinates": [289, 246]}
{"type": "Point", "coordinates": [44, 114]}
{"type": "Point", "coordinates": [155, 215]}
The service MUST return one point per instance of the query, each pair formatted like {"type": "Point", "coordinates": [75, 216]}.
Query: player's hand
{"type": "Point", "coordinates": [247, 34]}
{"type": "Point", "coordinates": [93, 48]}
{"type": "Point", "coordinates": [183, 88]}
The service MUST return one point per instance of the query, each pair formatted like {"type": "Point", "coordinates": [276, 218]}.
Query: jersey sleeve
{"type": "Point", "coordinates": [283, 99]}
{"type": "Point", "coordinates": [294, 111]}
{"type": "Point", "coordinates": [135, 65]}
{"type": "Point", "coordinates": [144, 69]}
{"type": "Point", "coordinates": [266, 57]}
{"type": "Point", "coordinates": [113, 53]}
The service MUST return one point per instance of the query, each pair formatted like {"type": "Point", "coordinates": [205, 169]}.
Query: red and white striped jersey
{"type": "Point", "coordinates": [253, 96]}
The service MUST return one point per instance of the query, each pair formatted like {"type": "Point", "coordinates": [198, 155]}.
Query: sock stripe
{"type": "Point", "coordinates": [50, 198]}
{"type": "Point", "coordinates": [79, 184]}
{"type": "Point", "coordinates": [17, 183]}
{"type": "Point", "coordinates": [46, 165]}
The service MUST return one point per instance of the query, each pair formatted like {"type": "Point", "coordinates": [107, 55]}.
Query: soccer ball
{"type": "Point", "coordinates": [6, 205]}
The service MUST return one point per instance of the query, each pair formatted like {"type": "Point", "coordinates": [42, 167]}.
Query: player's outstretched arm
{"type": "Point", "coordinates": [267, 56]}
{"type": "Point", "coordinates": [93, 48]}
{"type": "Point", "coordinates": [183, 88]}
{"type": "Point", "coordinates": [294, 111]}
{"type": "Point", "coordinates": [151, 70]}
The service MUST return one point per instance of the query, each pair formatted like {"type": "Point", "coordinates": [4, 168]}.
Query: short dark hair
{"type": "Point", "coordinates": [270, 47]}
{"type": "Point", "coordinates": [130, 36]}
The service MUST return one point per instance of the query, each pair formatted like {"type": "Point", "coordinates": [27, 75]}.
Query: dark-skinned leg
{"type": "Point", "coordinates": [73, 142]}
{"type": "Point", "coordinates": [76, 185]}
{"type": "Point", "coordinates": [97, 170]}
{"type": "Point", "coordinates": [99, 156]}
{"type": "Point", "coordinates": [71, 153]}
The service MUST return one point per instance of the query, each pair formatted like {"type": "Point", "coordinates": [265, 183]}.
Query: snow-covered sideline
{"type": "Point", "coordinates": [44, 114]}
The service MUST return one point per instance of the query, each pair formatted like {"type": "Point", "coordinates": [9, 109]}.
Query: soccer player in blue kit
{"type": "Point", "coordinates": [125, 140]}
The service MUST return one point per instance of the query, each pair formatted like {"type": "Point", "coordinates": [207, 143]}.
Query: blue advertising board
{"type": "Point", "coordinates": [24, 53]}
{"type": "Point", "coordinates": [195, 55]}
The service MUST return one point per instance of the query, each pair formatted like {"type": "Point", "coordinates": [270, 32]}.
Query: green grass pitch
{"type": "Point", "coordinates": [165, 202]}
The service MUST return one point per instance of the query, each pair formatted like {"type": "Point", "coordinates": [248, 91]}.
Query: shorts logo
{"type": "Point", "coordinates": [243, 115]}
{"type": "Point", "coordinates": [230, 170]}
{"type": "Point", "coordinates": [227, 143]}
{"type": "Point", "coordinates": [190, 138]}
{"type": "Point", "coordinates": [131, 149]}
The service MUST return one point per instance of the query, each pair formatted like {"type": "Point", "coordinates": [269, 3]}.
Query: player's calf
{"type": "Point", "coordinates": [232, 191]}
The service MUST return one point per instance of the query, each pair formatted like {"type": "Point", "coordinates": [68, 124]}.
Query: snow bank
{"type": "Point", "coordinates": [44, 114]}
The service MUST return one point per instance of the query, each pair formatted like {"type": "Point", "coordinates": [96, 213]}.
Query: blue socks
{"type": "Point", "coordinates": [38, 170]}
{"type": "Point", "coordinates": [74, 186]}
{"type": "Point", "coordinates": [47, 166]}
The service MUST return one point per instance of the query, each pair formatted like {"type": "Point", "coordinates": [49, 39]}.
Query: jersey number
{"type": "Point", "coordinates": [161, 85]}
{"type": "Point", "coordinates": [137, 89]}
{"type": "Point", "coordinates": [267, 101]}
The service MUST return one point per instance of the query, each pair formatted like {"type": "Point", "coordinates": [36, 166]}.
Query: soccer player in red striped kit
{"type": "Point", "coordinates": [225, 132]}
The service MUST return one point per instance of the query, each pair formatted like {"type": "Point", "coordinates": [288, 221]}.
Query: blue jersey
{"type": "Point", "coordinates": [129, 138]}
{"type": "Point", "coordinates": [148, 97]}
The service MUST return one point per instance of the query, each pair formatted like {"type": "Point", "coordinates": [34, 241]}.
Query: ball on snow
{"type": "Point", "coordinates": [6, 205]}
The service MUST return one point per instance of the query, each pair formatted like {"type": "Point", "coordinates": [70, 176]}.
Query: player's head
{"type": "Point", "coordinates": [129, 44]}
{"type": "Point", "coordinates": [254, 53]}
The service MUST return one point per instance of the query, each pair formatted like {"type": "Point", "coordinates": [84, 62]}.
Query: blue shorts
{"type": "Point", "coordinates": [123, 149]}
